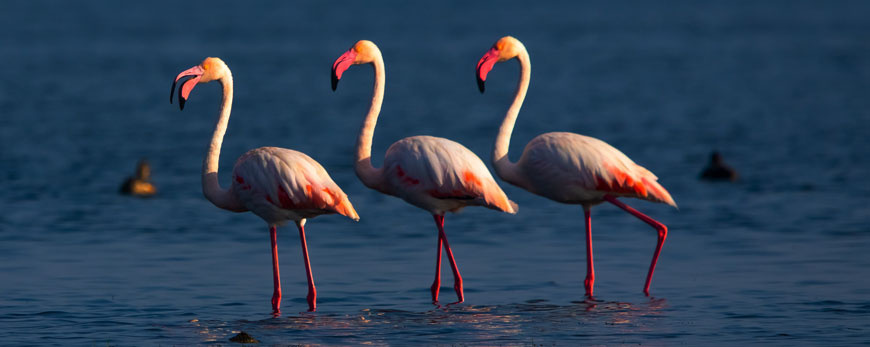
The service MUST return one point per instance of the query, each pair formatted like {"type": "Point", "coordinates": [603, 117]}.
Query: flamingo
{"type": "Point", "coordinates": [276, 184]}
{"type": "Point", "coordinates": [432, 173]}
{"type": "Point", "coordinates": [570, 168]}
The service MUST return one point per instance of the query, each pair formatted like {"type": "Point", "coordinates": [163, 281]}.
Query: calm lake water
{"type": "Point", "coordinates": [781, 88]}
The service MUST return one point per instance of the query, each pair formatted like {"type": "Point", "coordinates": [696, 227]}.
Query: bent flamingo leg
{"type": "Point", "coordinates": [457, 278]}
{"type": "Point", "coordinates": [436, 285]}
{"type": "Point", "coordinates": [590, 268]}
{"type": "Point", "coordinates": [312, 292]}
{"type": "Point", "coordinates": [276, 276]}
{"type": "Point", "coordinates": [662, 231]}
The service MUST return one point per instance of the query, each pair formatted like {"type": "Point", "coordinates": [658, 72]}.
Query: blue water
{"type": "Point", "coordinates": [779, 87]}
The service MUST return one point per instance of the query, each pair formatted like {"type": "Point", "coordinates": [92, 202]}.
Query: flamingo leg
{"type": "Point", "coordinates": [312, 292]}
{"type": "Point", "coordinates": [436, 285]}
{"type": "Point", "coordinates": [662, 231]}
{"type": "Point", "coordinates": [276, 276]}
{"type": "Point", "coordinates": [457, 278]}
{"type": "Point", "coordinates": [590, 268]}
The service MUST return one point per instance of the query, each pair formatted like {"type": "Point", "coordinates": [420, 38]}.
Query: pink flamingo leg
{"type": "Point", "coordinates": [436, 285]}
{"type": "Point", "coordinates": [590, 268]}
{"type": "Point", "coordinates": [276, 276]}
{"type": "Point", "coordinates": [457, 278]}
{"type": "Point", "coordinates": [661, 228]}
{"type": "Point", "coordinates": [312, 292]}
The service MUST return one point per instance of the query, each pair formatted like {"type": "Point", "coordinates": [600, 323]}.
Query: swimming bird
{"type": "Point", "coordinates": [718, 170]}
{"type": "Point", "coordinates": [567, 167]}
{"type": "Point", "coordinates": [276, 184]}
{"type": "Point", "coordinates": [432, 173]}
{"type": "Point", "coordinates": [140, 183]}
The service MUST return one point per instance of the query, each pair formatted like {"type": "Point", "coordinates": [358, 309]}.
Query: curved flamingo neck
{"type": "Point", "coordinates": [504, 168]}
{"type": "Point", "coordinates": [368, 174]}
{"type": "Point", "coordinates": [211, 188]}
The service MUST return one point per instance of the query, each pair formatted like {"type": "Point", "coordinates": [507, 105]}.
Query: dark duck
{"type": "Point", "coordinates": [717, 170]}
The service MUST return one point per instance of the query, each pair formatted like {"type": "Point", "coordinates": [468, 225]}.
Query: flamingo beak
{"type": "Point", "coordinates": [187, 85]}
{"type": "Point", "coordinates": [485, 65]}
{"type": "Point", "coordinates": [341, 64]}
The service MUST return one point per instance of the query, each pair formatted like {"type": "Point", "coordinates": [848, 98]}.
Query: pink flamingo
{"type": "Point", "coordinates": [432, 173]}
{"type": "Point", "coordinates": [567, 167]}
{"type": "Point", "coordinates": [276, 184]}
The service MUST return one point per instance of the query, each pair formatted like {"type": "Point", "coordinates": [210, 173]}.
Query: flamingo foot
{"type": "Point", "coordinates": [436, 287]}
{"type": "Point", "coordinates": [588, 283]}
{"type": "Point", "coordinates": [312, 300]}
{"type": "Point", "coordinates": [453, 303]}
{"type": "Point", "coordinates": [459, 292]}
{"type": "Point", "coordinates": [276, 301]}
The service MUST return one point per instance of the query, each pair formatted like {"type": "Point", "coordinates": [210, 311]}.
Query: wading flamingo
{"type": "Point", "coordinates": [276, 184]}
{"type": "Point", "coordinates": [567, 167]}
{"type": "Point", "coordinates": [432, 173]}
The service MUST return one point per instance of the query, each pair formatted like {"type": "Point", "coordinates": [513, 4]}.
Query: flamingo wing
{"type": "Point", "coordinates": [280, 184]}
{"type": "Point", "coordinates": [438, 174]}
{"type": "Point", "coordinates": [570, 168]}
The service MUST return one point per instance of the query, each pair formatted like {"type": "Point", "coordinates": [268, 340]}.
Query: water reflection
{"type": "Point", "coordinates": [502, 324]}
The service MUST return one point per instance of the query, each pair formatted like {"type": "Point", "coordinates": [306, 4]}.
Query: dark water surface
{"type": "Point", "coordinates": [781, 88]}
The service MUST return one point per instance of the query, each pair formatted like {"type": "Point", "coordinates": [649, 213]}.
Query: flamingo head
{"type": "Point", "coordinates": [363, 52]}
{"type": "Point", "coordinates": [506, 48]}
{"type": "Point", "coordinates": [209, 70]}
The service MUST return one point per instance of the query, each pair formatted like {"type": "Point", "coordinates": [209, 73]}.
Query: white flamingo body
{"type": "Point", "coordinates": [567, 167]}
{"type": "Point", "coordinates": [576, 169]}
{"type": "Point", "coordinates": [439, 175]}
{"type": "Point", "coordinates": [432, 173]}
{"type": "Point", "coordinates": [281, 185]}
{"type": "Point", "coordinates": [276, 184]}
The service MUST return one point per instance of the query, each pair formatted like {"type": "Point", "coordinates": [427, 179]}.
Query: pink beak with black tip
{"type": "Point", "coordinates": [485, 65]}
{"type": "Point", "coordinates": [341, 64]}
{"type": "Point", "coordinates": [186, 86]}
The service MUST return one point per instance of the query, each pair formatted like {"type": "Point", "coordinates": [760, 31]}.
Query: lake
{"type": "Point", "coordinates": [780, 257]}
